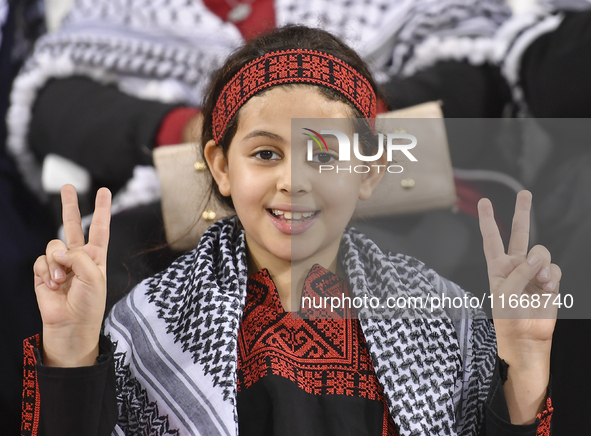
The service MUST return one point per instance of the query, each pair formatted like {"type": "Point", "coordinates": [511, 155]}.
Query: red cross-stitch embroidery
{"type": "Point", "coordinates": [31, 399]}
{"type": "Point", "coordinates": [321, 355]}
{"type": "Point", "coordinates": [545, 419]}
{"type": "Point", "coordinates": [292, 66]}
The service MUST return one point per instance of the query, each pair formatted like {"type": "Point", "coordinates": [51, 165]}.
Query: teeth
{"type": "Point", "coordinates": [292, 215]}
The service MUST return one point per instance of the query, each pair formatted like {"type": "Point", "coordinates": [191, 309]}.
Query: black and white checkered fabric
{"type": "Point", "coordinates": [516, 34]}
{"type": "Point", "coordinates": [176, 343]}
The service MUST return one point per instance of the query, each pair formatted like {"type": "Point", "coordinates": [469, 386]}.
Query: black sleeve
{"type": "Point", "coordinates": [80, 401]}
{"type": "Point", "coordinates": [97, 126]}
{"type": "Point", "coordinates": [497, 421]}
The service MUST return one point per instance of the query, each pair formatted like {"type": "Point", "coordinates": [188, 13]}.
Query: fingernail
{"type": "Point", "coordinates": [59, 274]}
{"type": "Point", "coordinates": [549, 285]}
{"type": "Point", "coordinates": [533, 259]}
{"type": "Point", "coordinates": [59, 253]}
{"type": "Point", "coordinates": [544, 273]}
{"type": "Point", "coordinates": [53, 284]}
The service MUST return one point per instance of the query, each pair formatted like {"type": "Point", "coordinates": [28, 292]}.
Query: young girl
{"type": "Point", "coordinates": [210, 346]}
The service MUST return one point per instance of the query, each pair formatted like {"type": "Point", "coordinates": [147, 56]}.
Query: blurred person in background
{"type": "Point", "coordinates": [547, 65]}
{"type": "Point", "coordinates": [24, 223]}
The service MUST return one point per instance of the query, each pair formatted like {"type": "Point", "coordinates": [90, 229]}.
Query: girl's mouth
{"type": "Point", "coordinates": [291, 222]}
{"type": "Point", "coordinates": [292, 217]}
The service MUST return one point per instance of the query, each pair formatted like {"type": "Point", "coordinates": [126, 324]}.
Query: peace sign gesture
{"type": "Point", "coordinates": [521, 283]}
{"type": "Point", "coordinates": [70, 283]}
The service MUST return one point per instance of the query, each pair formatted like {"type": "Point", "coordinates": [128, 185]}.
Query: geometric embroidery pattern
{"type": "Point", "coordinates": [31, 398]}
{"type": "Point", "coordinates": [292, 66]}
{"type": "Point", "coordinates": [323, 355]}
{"type": "Point", "coordinates": [545, 419]}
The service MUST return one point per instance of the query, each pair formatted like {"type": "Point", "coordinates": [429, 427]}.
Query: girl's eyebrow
{"type": "Point", "coordinates": [256, 133]}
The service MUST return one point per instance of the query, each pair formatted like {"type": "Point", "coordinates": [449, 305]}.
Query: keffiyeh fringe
{"type": "Point", "coordinates": [511, 42]}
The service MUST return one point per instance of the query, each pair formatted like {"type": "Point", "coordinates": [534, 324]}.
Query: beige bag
{"type": "Point", "coordinates": [427, 184]}
{"type": "Point", "coordinates": [423, 185]}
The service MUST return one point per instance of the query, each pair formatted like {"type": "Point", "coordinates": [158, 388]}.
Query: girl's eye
{"type": "Point", "coordinates": [324, 158]}
{"type": "Point", "coordinates": [267, 155]}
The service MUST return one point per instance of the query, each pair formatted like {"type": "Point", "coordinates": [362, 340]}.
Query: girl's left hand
{"type": "Point", "coordinates": [524, 286]}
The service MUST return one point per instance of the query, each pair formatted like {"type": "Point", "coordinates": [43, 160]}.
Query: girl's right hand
{"type": "Point", "coordinates": [71, 284]}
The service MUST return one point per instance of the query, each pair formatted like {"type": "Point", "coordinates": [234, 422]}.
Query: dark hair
{"type": "Point", "coordinates": [284, 38]}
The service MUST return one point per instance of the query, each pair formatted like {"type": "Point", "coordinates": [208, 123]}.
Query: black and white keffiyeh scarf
{"type": "Point", "coordinates": [176, 343]}
{"type": "Point", "coordinates": [167, 50]}
{"type": "Point", "coordinates": [516, 34]}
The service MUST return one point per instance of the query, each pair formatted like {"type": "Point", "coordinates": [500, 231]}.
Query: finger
{"type": "Point", "coordinates": [553, 283]}
{"type": "Point", "coordinates": [82, 265]}
{"type": "Point", "coordinates": [491, 238]}
{"type": "Point", "coordinates": [42, 274]}
{"type": "Point", "coordinates": [521, 276]}
{"type": "Point", "coordinates": [99, 227]}
{"type": "Point", "coordinates": [71, 217]}
{"type": "Point", "coordinates": [519, 241]}
{"type": "Point", "coordinates": [543, 275]}
{"type": "Point", "coordinates": [56, 271]}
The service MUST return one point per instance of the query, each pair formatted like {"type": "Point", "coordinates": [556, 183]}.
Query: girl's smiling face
{"type": "Point", "coordinates": [271, 181]}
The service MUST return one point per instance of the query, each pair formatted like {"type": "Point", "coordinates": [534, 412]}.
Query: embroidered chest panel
{"type": "Point", "coordinates": [323, 356]}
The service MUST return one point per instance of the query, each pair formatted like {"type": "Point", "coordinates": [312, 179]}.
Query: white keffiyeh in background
{"type": "Point", "coordinates": [167, 50]}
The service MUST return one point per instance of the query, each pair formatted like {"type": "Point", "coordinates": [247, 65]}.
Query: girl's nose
{"type": "Point", "coordinates": [293, 181]}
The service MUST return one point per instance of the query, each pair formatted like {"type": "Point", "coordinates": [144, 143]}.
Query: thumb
{"type": "Point", "coordinates": [521, 276]}
{"type": "Point", "coordinates": [84, 268]}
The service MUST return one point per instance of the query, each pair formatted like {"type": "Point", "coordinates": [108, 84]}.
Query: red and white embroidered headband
{"type": "Point", "coordinates": [292, 66]}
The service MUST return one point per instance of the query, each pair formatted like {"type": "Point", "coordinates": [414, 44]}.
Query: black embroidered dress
{"type": "Point", "coordinates": [306, 372]}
